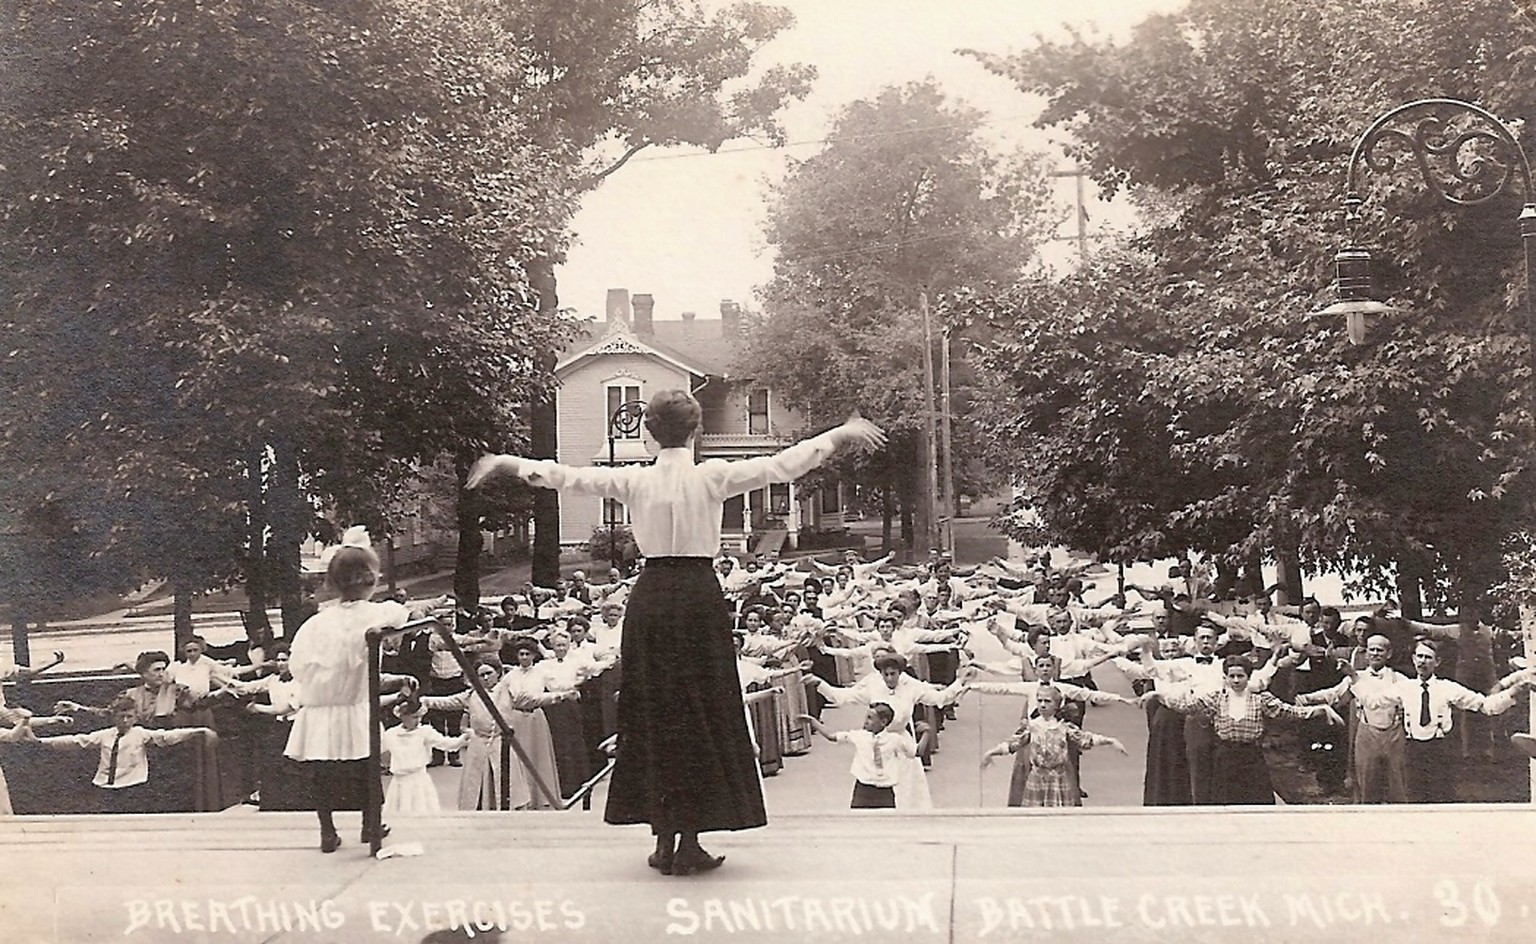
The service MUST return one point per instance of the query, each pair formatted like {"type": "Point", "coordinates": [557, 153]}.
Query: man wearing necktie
{"type": "Point", "coordinates": [1427, 701]}
{"type": "Point", "coordinates": [122, 772]}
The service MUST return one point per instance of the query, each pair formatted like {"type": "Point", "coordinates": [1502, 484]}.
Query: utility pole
{"type": "Point", "coordinates": [947, 470]}
{"type": "Point", "coordinates": [1080, 174]}
{"type": "Point", "coordinates": [930, 446]}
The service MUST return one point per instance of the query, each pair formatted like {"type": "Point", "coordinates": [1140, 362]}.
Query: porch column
{"type": "Point", "coordinates": [792, 520]}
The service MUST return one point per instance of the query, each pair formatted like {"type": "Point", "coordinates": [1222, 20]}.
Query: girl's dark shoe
{"type": "Point", "coordinates": [329, 842]}
{"type": "Point", "coordinates": [383, 834]}
{"type": "Point", "coordinates": [660, 861]}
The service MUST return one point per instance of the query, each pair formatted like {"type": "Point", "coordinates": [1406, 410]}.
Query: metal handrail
{"type": "Point", "coordinates": [583, 794]}
{"type": "Point", "coordinates": [373, 809]}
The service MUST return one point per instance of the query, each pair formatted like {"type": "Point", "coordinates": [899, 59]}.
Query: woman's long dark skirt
{"type": "Point", "coordinates": [1167, 775]}
{"type": "Point", "coordinates": [572, 763]}
{"type": "Point", "coordinates": [685, 760]}
{"type": "Point", "coordinates": [1242, 775]}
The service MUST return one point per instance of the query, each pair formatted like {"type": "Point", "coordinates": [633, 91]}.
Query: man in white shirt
{"type": "Point", "coordinates": [608, 632]}
{"type": "Point", "coordinates": [123, 768]}
{"type": "Point", "coordinates": [726, 572]}
{"type": "Point", "coordinates": [1427, 701]}
{"type": "Point", "coordinates": [856, 567]}
{"type": "Point", "coordinates": [1377, 747]}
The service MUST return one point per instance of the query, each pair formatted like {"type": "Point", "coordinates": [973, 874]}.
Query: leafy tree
{"type": "Point", "coordinates": [904, 199]}
{"type": "Point", "coordinates": [278, 244]}
{"type": "Point", "coordinates": [604, 81]}
{"type": "Point", "coordinates": [1260, 429]}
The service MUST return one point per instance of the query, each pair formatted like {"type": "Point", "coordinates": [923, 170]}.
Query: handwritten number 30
{"type": "Point", "coordinates": [1453, 911]}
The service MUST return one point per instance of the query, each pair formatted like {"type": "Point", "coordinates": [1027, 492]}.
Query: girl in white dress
{"type": "Point", "coordinates": [409, 746]}
{"type": "Point", "coordinates": [329, 659]}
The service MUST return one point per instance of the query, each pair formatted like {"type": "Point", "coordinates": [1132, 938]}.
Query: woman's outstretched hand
{"type": "Point", "coordinates": [857, 431]}
{"type": "Point", "coordinates": [487, 466]}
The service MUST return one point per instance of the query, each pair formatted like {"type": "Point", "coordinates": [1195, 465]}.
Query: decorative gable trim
{"type": "Point", "coordinates": [620, 340]}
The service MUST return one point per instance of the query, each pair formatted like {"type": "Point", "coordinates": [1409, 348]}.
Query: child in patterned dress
{"type": "Point", "coordinates": [1040, 744]}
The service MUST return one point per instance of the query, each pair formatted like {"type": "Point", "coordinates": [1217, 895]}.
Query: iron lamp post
{"type": "Point", "coordinates": [625, 422]}
{"type": "Point", "coordinates": [1468, 156]}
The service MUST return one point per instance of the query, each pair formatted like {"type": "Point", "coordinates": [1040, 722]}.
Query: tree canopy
{"type": "Point", "coordinates": [905, 198]}
{"type": "Point", "coordinates": [233, 232]}
{"type": "Point", "coordinates": [1177, 395]}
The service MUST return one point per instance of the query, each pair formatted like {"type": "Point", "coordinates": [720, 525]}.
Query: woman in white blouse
{"type": "Point", "coordinates": [527, 687]}
{"type": "Point", "coordinates": [684, 763]}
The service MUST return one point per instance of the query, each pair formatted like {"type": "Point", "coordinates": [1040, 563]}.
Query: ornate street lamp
{"type": "Point", "coordinates": [1468, 156]}
{"type": "Point", "coordinates": [625, 422]}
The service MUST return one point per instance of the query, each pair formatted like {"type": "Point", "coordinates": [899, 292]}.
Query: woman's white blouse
{"type": "Point", "coordinates": [676, 504]}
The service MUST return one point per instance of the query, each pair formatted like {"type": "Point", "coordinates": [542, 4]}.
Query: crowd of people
{"type": "Point", "coordinates": [675, 664]}
{"type": "Point", "coordinates": [1213, 676]}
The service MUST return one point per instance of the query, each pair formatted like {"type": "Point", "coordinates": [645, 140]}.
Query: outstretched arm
{"type": "Point", "coordinates": [819, 728]}
{"type": "Point", "coordinates": [592, 480]}
{"type": "Point", "coordinates": [744, 475]}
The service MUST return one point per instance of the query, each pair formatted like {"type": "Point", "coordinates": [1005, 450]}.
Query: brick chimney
{"type": "Point", "coordinates": [645, 309]}
{"type": "Point", "coordinates": [618, 305]}
{"type": "Point", "coordinates": [730, 318]}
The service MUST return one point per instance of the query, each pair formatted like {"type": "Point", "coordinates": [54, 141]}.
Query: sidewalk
{"type": "Point", "coordinates": [1409, 874]}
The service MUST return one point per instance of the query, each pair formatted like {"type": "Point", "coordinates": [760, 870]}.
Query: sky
{"type": "Point", "coordinates": [687, 226]}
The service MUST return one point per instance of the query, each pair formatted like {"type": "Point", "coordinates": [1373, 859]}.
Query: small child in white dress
{"type": "Point", "coordinates": [409, 746]}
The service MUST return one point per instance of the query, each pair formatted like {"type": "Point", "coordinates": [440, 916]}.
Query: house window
{"type": "Point", "coordinates": [733, 514]}
{"type": "Point", "coordinates": [778, 498]}
{"type": "Point", "coordinates": [615, 512]}
{"type": "Point", "coordinates": [757, 412]}
{"type": "Point", "coordinates": [618, 395]}
{"type": "Point", "coordinates": [830, 504]}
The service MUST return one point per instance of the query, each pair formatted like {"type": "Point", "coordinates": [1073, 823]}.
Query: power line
{"type": "Point", "coordinates": [826, 140]}
{"type": "Point", "coordinates": [877, 247]}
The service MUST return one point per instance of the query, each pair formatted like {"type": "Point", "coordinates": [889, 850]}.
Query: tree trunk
{"type": "Point", "coordinates": [389, 562]}
{"type": "Point", "coordinates": [466, 568]}
{"type": "Point", "coordinates": [1288, 576]}
{"type": "Point", "coordinates": [256, 560]}
{"type": "Point", "coordinates": [908, 526]}
{"type": "Point", "coordinates": [288, 527]}
{"type": "Point", "coordinates": [1410, 593]}
{"type": "Point", "coordinates": [543, 421]}
{"type": "Point", "coordinates": [1253, 575]}
{"type": "Point", "coordinates": [886, 511]}
{"type": "Point", "coordinates": [21, 649]}
{"type": "Point", "coordinates": [181, 620]}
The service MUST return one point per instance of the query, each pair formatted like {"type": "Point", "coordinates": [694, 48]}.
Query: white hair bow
{"type": "Point", "coordinates": [355, 536]}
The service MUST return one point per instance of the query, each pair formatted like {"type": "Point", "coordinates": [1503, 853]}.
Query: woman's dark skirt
{"type": "Point", "coordinates": [685, 761]}
{"type": "Point", "coordinates": [572, 760]}
{"type": "Point", "coordinates": [1242, 775]}
{"type": "Point", "coordinates": [1167, 777]}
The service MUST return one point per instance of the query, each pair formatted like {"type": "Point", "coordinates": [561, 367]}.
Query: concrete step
{"type": "Point", "coordinates": [1414, 874]}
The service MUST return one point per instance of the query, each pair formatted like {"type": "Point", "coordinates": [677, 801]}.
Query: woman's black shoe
{"type": "Point", "coordinates": [329, 842]}
{"type": "Point", "coordinates": [364, 837]}
{"type": "Point", "coordinates": [685, 863]}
